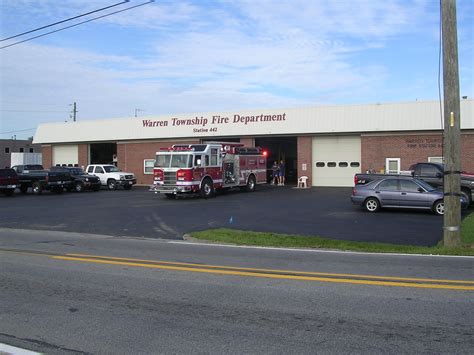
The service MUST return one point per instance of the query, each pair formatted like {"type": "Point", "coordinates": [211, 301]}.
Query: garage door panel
{"type": "Point", "coordinates": [65, 154]}
{"type": "Point", "coordinates": [336, 160]}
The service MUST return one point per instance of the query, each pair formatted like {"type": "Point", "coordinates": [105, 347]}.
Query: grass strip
{"type": "Point", "coordinates": [239, 237]}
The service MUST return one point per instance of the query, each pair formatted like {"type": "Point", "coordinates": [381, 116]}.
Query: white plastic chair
{"type": "Point", "coordinates": [302, 182]}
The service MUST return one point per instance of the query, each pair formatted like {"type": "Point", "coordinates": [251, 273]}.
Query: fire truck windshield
{"type": "Point", "coordinates": [173, 161]}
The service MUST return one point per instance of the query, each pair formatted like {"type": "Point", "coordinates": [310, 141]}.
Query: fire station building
{"type": "Point", "coordinates": [329, 144]}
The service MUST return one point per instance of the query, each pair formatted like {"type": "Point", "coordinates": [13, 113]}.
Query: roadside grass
{"type": "Point", "coordinates": [239, 237]}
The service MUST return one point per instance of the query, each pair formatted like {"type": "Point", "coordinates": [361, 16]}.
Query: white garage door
{"type": "Point", "coordinates": [65, 154]}
{"type": "Point", "coordinates": [335, 160]}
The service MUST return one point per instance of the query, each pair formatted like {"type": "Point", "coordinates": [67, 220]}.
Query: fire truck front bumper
{"type": "Point", "coordinates": [170, 189]}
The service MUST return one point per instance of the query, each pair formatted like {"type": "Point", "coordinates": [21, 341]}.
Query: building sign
{"type": "Point", "coordinates": [423, 142]}
{"type": "Point", "coordinates": [211, 124]}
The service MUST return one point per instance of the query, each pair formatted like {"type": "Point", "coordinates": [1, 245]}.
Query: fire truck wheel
{"type": "Point", "coordinates": [250, 184]}
{"type": "Point", "coordinates": [170, 196]}
{"type": "Point", "coordinates": [207, 190]}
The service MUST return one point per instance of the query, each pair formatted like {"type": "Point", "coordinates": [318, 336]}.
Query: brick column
{"type": "Point", "coordinates": [305, 158]}
{"type": "Point", "coordinates": [47, 151]}
{"type": "Point", "coordinates": [83, 152]}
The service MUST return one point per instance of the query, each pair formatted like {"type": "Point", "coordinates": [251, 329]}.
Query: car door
{"type": "Point", "coordinates": [388, 193]}
{"type": "Point", "coordinates": [100, 173]}
{"type": "Point", "coordinates": [413, 195]}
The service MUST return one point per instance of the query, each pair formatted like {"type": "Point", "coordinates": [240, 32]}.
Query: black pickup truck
{"type": "Point", "coordinates": [432, 173]}
{"type": "Point", "coordinates": [38, 179]}
{"type": "Point", "coordinates": [80, 180]}
{"type": "Point", "coordinates": [8, 181]}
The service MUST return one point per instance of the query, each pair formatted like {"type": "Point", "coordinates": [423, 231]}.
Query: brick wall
{"type": "Point", "coordinates": [305, 156]}
{"type": "Point", "coordinates": [411, 149]}
{"type": "Point", "coordinates": [130, 157]}
{"type": "Point", "coordinates": [83, 155]}
{"type": "Point", "coordinates": [47, 151]}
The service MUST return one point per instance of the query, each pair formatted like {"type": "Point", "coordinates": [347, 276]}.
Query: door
{"type": "Point", "coordinates": [392, 165]}
{"type": "Point", "coordinates": [388, 192]}
{"type": "Point", "coordinates": [335, 160]}
{"type": "Point", "coordinates": [412, 195]}
{"type": "Point", "coordinates": [65, 155]}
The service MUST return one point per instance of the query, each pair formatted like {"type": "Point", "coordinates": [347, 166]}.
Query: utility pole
{"type": "Point", "coordinates": [74, 112]}
{"type": "Point", "coordinates": [452, 126]}
{"type": "Point", "coordinates": [138, 110]}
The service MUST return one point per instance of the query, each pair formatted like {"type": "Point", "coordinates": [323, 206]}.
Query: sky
{"type": "Point", "coordinates": [179, 57]}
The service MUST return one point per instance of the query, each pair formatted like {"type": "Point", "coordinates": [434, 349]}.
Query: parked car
{"type": "Point", "coordinates": [9, 181]}
{"type": "Point", "coordinates": [111, 176]}
{"type": "Point", "coordinates": [400, 192]}
{"type": "Point", "coordinates": [38, 179]}
{"type": "Point", "coordinates": [80, 180]}
{"type": "Point", "coordinates": [432, 173]}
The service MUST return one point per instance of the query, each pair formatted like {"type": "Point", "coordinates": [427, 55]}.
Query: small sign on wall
{"type": "Point", "coordinates": [303, 167]}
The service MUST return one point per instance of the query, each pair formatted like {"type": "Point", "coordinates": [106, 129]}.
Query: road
{"type": "Point", "coordinates": [78, 293]}
{"type": "Point", "coordinates": [326, 212]}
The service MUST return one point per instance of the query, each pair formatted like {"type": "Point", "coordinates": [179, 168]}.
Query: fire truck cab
{"type": "Point", "coordinates": [205, 168]}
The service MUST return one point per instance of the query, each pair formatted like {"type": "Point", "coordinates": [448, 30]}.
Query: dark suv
{"type": "Point", "coordinates": [80, 180]}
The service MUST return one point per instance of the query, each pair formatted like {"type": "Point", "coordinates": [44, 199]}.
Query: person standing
{"type": "Point", "coordinates": [281, 173]}
{"type": "Point", "coordinates": [275, 174]}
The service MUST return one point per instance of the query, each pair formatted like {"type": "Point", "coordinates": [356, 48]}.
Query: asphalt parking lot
{"type": "Point", "coordinates": [326, 212]}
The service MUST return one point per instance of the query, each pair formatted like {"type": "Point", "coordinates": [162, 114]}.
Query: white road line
{"type": "Point", "coordinates": [313, 250]}
{"type": "Point", "coordinates": [12, 350]}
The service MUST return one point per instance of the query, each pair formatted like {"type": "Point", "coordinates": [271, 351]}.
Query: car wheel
{"type": "Point", "coordinates": [467, 196]}
{"type": "Point", "coordinates": [23, 189]}
{"type": "Point", "coordinates": [438, 208]}
{"type": "Point", "coordinates": [372, 204]}
{"type": "Point", "coordinates": [111, 184]}
{"type": "Point", "coordinates": [37, 189]}
{"type": "Point", "coordinates": [78, 187]}
{"type": "Point", "coordinates": [207, 190]}
{"type": "Point", "coordinates": [251, 184]}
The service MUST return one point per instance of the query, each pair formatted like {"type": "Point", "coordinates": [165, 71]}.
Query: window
{"type": "Point", "coordinates": [197, 160]}
{"type": "Point", "coordinates": [90, 170]}
{"type": "Point", "coordinates": [214, 154]}
{"type": "Point", "coordinates": [21, 150]}
{"type": "Point", "coordinates": [343, 164]}
{"type": "Point", "coordinates": [163, 160]}
{"type": "Point", "coordinates": [429, 171]}
{"type": "Point", "coordinates": [99, 170]}
{"type": "Point", "coordinates": [388, 185]}
{"type": "Point", "coordinates": [331, 164]}
{"type": "Point", "coordinates": [207, 159]}
{"type": "Point", "coordinates": [7, 150]}
{"type": "Point", "coordinates": [355, 164]}
{"type": "Point", "coordinates": [435, 160]}
{"type": "Point", "coordinates": [32, 150]}
{"type": "Point", "coordinates": [148, 165]}
{"type": "Point", "coordinates": [320, 164]}
{"type": "Point", "coordinates": [408, 186]}
{"type": "Point", "coordinates": [392, 165]}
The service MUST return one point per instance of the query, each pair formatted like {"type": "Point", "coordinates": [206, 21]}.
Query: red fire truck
{"type": "Point", "coordinates": [205, 168]}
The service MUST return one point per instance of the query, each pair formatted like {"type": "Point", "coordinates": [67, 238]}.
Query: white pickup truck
{"type": "Point", "coordinates": [111, 176]}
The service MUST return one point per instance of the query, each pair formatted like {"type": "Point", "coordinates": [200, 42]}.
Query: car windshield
{"type": "Point", "coordinates": [111, 169]}
{"type": "Point", "coordinates": [173, 161]}
{"type": "Point", "coordinates": [425, 185]}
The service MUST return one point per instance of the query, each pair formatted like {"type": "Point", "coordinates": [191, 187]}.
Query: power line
{"type": "Point", "coordinates": [57, 23]}
{"type": "Point", "coordinates": [77, 24]}
{"type": "Point", "coordinates": [29, 111]}
{"type": "Point", "coordinates": [21, 130]}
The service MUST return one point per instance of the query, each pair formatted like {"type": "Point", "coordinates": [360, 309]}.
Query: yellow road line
{"type": "Point", "coordinates": [265, 275]}
{"type": "Point", "coordinates": [373, 277]}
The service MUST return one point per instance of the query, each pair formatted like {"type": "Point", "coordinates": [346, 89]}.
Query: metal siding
{"type": "Point", "coordinates": [397, 117]}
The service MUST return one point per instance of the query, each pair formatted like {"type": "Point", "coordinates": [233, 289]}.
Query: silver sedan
{"type": "Point", "coordinates": [400, 192]}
